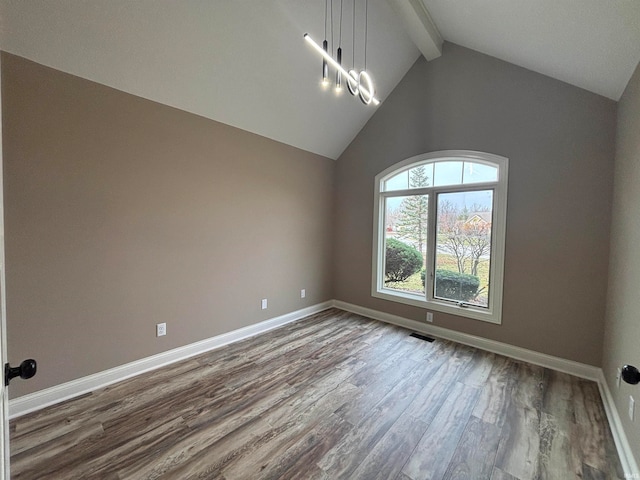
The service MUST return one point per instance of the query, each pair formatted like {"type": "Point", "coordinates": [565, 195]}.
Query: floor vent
{"type": "Point", "coordinates": [422, 337]}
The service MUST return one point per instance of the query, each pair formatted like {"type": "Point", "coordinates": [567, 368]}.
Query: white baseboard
{"type": "Point", "coordinates": [65, 391]}
{"type": "Point", "coordinates": [582, 370]}
{"type": "Point", "coordinates": [628, 461]}
{"type": "Point", "coordinates": [555, 363]}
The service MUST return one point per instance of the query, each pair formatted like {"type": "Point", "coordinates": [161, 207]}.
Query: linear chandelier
{"type": "Point", "coordinates": [358, 83]}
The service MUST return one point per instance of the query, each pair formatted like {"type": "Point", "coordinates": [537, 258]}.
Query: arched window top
{"type": "Point", "coordinates": [439, 233]}
{"type": "Point", "coordinates": [439, 169]}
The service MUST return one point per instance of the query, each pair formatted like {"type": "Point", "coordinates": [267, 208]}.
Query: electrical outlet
{"type": "Point", "coordinates": [264, 304]}
{"type": "Point", "coordinates": [161, 329]}
{"type": "Point", "coordinates": [430, 317]}
{"type": "Point", "coordinates": [618, 377]}
{"type": "Point", "coordinates": [632, 404]}
{"type": "Point", "coordinates": [303, 293]}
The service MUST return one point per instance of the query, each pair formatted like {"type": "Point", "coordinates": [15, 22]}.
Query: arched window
{"type": "Point", "coordinates": [439, 233]}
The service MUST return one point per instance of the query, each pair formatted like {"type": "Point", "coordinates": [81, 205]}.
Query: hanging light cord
{"type": "Point", "coordinates": [331, 26]}
{"type": "Point", "coordinates": [326, 6]}
{"type": "Point", "coordinates": [340, 34]}
{"type": "Point", "coordinates": [366, 25]}
{"type": "Point", "coordinates": [353, 33]}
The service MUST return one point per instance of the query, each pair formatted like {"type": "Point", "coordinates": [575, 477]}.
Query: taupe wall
{"type": "Point", "coordinates": [560, 142]}
{"type": "Point", "coordinates": [122, 213]}
{"type": "Point", "coordinates": [622, 338]}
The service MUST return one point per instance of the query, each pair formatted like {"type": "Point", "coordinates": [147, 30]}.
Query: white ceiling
{"type": "Point", "coordinates": [244, 62]}
{"type": "Point", "coordinates": [593, 44]}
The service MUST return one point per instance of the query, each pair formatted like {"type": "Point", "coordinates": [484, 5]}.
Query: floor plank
{"type": "Point", "coordinates": [475, 455]}
{"type": "Point", "coordinates": [333, 396]}
{"type": "Point", "coordinates": [342, 460]}
{"type": "Point", "coordinates": [432, 455]}
{"type": "Point", "coordinates": [518, 454]}
{"type": "Point", "coordinates": [497, 392]}
{"type": "Point", "coordinates": [529, 386]}
{"type": "Point", "coordinates": [387, 457]}
{"type": "Point", "coordinates": [500, 475]}
{"type": "Point", "coordinates": [559, 450]}
{"type": "Point", "coordinates": [558, 396]}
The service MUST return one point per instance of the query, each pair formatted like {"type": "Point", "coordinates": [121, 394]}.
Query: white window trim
{"type": "Point", "coordinates": [493, 314]}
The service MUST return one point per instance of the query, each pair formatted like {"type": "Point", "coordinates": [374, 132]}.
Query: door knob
{"type": "Point", "coordinates": [26, 370]}
{"type": "Point", "coordinates": [630, 374]}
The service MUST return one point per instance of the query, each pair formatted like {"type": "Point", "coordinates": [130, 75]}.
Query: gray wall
{"type": "Point", "coordinates": [623, 301]}
{"type": "Point", "coordinates": [560, 142]}
{"type": "Point", "coordinates": [122, 213]}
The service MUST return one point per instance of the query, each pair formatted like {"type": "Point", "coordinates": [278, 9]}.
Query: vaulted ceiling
{"type": "Point", "coordinates": [245, 63]}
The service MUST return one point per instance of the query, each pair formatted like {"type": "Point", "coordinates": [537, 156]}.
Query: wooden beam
{"type": "Point", "coordinates": [420, 27]}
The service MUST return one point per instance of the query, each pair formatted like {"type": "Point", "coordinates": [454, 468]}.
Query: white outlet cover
{"type": "Point", "coordinates": [632, 404]}
{"type": "Point", "coordinates": [161, 329]}
{"type": "Point", "coordinates": [618, 377]}
{"type": "Point", "coordinates": [303, 293]}
{"type": "Point", "coordinates": [264, 304]}
{"type": "Point", "coordinates": [429, 317]}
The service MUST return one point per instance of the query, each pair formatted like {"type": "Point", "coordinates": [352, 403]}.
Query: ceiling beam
{"type": "Point", "coordinates": [420, 26]}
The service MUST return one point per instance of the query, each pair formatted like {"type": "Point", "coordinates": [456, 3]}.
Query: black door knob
{"type": "Point", "coordinates": [26, 370]}
{"type": "Point", "coordinates": [630, 374]}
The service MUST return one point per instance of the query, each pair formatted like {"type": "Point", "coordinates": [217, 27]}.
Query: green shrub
{"type": "Point", "coordinates": [401, 261]}
{"type": "Point", "coordinates": [456, 286]}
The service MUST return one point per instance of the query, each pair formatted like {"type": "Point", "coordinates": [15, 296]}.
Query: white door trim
{"type": "Point", "coordinates": [4, 405]}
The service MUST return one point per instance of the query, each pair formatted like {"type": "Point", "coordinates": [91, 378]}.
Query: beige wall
{"type": "Point", "coordinates": [122, 213]}
{"type": "Point", "coordinates": [560, 142]}
{"type": "Point", "coordinates": [622, 338]}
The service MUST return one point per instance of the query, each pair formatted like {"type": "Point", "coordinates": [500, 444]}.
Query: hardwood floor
{"type": "Point", "coordinates": [333, 396]}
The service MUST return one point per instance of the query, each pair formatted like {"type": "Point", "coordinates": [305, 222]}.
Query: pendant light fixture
{"type": "Point", "coordinates": [325, 45]}
{"type": "Point", "coordinates": [339, 54]}
{"type": "Point", "coordinates": [358, 83]}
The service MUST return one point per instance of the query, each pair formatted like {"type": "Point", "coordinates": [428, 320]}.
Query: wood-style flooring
{"type": "Point", "coordinates": [333, 396]}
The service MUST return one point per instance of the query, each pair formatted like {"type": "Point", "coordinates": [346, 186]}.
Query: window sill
{"type": "Point", "coordinates": [445, 307]}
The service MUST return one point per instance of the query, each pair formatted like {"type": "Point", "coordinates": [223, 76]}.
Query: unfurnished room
{"type": "Point", "coordinates": [320, 239]}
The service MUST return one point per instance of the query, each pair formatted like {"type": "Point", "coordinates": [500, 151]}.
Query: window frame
{"type": "Point", "coordinates": [492, 313]}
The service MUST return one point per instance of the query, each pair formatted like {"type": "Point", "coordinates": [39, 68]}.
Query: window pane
{"type": "Point", "coordinates": [397, 182]}
{"type": "Point", "coordinates": [463, 247]}
{"type": "Point", "coordinates": [478, 172]}
{"type": "Point", "coordinates": [421, 176]}
{"type": "Point", "coordinates": [447, 173]}
{"type": "Point", "coordinates": [405, 243]}
{"type": "Point", "coordinates": [416, 177]}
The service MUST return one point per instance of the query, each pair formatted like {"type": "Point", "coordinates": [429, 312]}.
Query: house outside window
{"type": "Point", "coordinates": [439, 233]}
